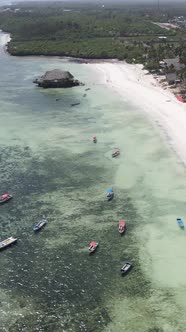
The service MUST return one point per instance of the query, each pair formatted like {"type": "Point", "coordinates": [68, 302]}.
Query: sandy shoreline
{"type": "Point", "coordinates": [4, 40]}
{"type": "Point", "coordinates": [135, 85]}
{"type": "Point", "coordinates": [141, 89]}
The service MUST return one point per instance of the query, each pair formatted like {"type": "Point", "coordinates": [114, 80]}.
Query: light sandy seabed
{"type": "Point", "coordinates": [163, 250]}
{"type": "Point", "coordinates": [133, 84]}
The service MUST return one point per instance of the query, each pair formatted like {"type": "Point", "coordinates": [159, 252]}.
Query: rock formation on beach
{"type": "Point", "coordinates": [57, 79]}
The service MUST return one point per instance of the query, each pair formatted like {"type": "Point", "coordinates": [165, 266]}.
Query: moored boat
{"type": "Point", "coordinates": [122, 226]}
{"type": "Point", "coordinates": [75, 104]}
{"type": "Point", "coordinates": [181, 98]}
{"type": "Point", "coordinates": [116, 153]}
{"type": "Point", "coordinates": [110, 194]}
{"type": "Point", "coordinates": [93, 246]}
{"type": "Point", "coordinates": [40, 225]}
{"type": "Point", "coordinates": [7, 242]}
{"type": "Point", "coordinates": [180, 223]}
{"type": "Point", "coordinates": [94, 139]}
{"type": "Point", "coordinates": [5, 198]}
{"type": "Point", "coordinates": [126, 267]}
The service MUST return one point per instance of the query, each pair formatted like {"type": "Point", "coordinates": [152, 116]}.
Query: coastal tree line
{"type": "Point", "coordinates": [91, 32]}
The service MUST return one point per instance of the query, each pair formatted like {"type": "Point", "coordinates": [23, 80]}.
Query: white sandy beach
{"type": "Point", "coordinates": [4, 39]}
{"type": "Point", "coordinates": [132, 84]}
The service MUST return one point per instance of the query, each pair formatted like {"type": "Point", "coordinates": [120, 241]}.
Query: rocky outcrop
{"type": "Point", "coordinates": [57, 79]}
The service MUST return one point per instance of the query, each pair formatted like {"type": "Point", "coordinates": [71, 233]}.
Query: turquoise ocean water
{"type": "Point", "coordinates": [48, 282]}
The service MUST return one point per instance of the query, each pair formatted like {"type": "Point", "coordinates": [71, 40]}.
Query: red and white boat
{"type": "Point", "coordinates": [5, 198]}
{"type": "Point", "coordinates": [122, 226]}
{"type": "Point", "coordinates": [116, 153]}
{"type": "Point", "coordinates": [181, 98]}
{"type": "Point", "coordinates": [94, 139]}
{"type": "Point", "coordinates": [93, 246]}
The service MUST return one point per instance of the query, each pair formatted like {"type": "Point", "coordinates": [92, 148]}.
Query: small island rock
{"type": "Point", "coordinates": [56, 79]}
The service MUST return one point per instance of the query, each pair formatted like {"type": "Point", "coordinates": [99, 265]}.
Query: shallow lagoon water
{"type": "Point", "coordinates": [48, 282]}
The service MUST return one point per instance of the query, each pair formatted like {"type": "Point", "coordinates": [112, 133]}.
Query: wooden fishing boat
{"type": "Point", "coordinates": [110, 194]}
{"type": "Point", "coordinates": [5, 198]}
{"type": "Point", "coordinates": [75, 104]}
{"type": "Point", "coordinates": [6, 243]}
{"type": "Point", "coordinates": [180, 223]}
{"type": "Point", "coordinates": [126, 267]}
{"type": "Point", "coordinates": [40, 225]}
{"type": "Point", "coordinates": [122, 227]}
{"type": "Point", "coordinates": [116, 153]}
{"type": "Point", "coordinates": [181, 98]}
{"type": "Point", "coordinates": [94, 139]}
{"type": "Point", "coordinates": [93, 246]}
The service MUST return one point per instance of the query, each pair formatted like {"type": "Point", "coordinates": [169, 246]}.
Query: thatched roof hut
{"type": "Point", "coordinates": [56, 78]}
{"type": "Point", "coordinates": [57, 74]}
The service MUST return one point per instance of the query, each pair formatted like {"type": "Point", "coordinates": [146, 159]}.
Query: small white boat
{"type": "Point", "coordinates": [6, 243]}
{"type": "Point", "coordinates": [40, 225]}
{"type": "Point", "coordinates": [126, 267]}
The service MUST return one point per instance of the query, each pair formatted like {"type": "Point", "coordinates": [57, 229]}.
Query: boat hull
{"type": "Point", "coordinates": [109, 198]}
{"type": "Point", "coordinates": [181, 226]}
{"type": "Point", "coordinates": [180, 223]}
{"type": "Point", "coordinates": [122, 231]}
{"type": "Point", "coordinates": [109, 195]}
{"type": "Point", "coordinates": [126, 268]}
{"type": "Point", "coordinates": [92, 250]}
{"type": "Point", "coordinates": [39, 226]}
{"type": "Point", "coordinates": [94, 139]}
{"type": "Point", "coordinates": [2, 201]}
{"type": "Point", "coordinates": [115, 154]}
{"type": "Point", "coordinates": [75, 104]}
{"type": "Point", "coordinates": [122, 227]}
{"type": "Point", "coordinates": [7, 243]}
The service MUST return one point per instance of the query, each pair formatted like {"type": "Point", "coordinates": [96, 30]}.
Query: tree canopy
{"type": "Point", "coordinates": [90, 32]}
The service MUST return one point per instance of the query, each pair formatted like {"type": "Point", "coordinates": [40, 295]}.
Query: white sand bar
{"type": "Point", "coordinates": [135, 85]}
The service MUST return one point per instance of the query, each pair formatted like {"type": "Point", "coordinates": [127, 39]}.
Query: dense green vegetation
{"type": "Point", "coordinates": [91, 31]}
{"type": "Point", "coordinates": [97, 48]}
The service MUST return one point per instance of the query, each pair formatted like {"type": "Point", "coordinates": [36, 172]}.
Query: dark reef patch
{"type": "Point", "coordinates": [67, 286]}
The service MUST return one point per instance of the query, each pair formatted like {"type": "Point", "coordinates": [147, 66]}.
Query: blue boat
{"type": "Point", "coordinates": [40, 225]}
{"type": "Point", "coordinates": [110, 194]}
{"type": "Point", "coordinates": [180, 223]}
